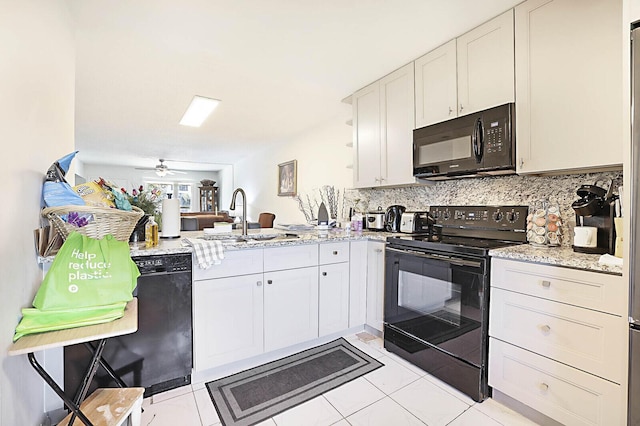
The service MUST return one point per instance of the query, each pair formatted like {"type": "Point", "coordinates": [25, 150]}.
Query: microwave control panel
{"type": "Point", "coordinates": [494, 137]}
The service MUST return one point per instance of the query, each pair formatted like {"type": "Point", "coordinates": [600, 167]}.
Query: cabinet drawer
{"type": "Point", "coordinates": [235, 263]}
{"type": "Point", "coordinates": [585, 339]}
{"type": "Point", "coordinates": [593, 290]}
{"type": "Point", "coordinates": [565, 394]}
{"type": "Point", "coordinates": [279, 258]}
{"type": "Point", "coordinates": [334, 252]}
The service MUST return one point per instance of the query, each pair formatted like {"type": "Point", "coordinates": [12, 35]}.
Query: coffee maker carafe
{"type": "Point", "coordinates": [393, 218]}
{"type": "Point", "coordinates": [595, 209]}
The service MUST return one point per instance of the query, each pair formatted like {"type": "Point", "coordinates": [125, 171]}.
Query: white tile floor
{"type": "Point", "coordinates": [396, 394]}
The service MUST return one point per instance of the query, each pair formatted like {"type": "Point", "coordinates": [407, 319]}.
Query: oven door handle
{"type": "Point", "coordinates": [451, 260]}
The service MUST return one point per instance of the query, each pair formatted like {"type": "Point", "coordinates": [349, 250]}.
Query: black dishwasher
{"type": "Point", "coordinates": [159, 355]}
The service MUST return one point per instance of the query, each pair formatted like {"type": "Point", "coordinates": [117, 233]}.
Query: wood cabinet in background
{"type": "Point", "coordinates": [383, 123]}
{"type": "Point", "coordinates": [569, 108]}
{"type": "Point", "coordinates": [468, 74]}
{"type": "Point", "coordinates": [209, 199]}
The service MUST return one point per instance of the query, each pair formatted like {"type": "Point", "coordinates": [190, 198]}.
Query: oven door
{"type": "Point", "coordinates": [439, 301]}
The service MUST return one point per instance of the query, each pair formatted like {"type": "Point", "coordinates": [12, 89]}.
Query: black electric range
{"type": "Point", "coordinates": [436, 307]}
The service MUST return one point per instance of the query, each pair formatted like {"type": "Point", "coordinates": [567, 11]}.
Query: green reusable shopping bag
{"type": "Point", "coordinates": [88, 272]}
{"type": "Point", "coordinates": [36, 321]}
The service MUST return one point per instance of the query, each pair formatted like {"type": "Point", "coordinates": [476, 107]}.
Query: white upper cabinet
{"type": "Point", "coordinates": [366, 136]}
{"type": "Point", "coordinates": [486, 65]}
{"type": "Point", "coordinates": [383, 122]}
{"type": "Point", "coordinates": [467, 74]}
{"type": "Point", "coordinates": [436, 85]}
{"type": "Point", "coordinates": [569, 84]}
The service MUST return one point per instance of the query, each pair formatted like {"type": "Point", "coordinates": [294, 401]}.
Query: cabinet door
{"type": "Point", "coordinates": [290, 307]}
{"type": "Point", "coordinates": [375, 284]}
{"type": "Point", "coordinates": [333, 289]}
{"type": "Point", "coordinates": [397, 123]}
{"type": "Point", "coordinates": [568, 68]}
{"type": "Point", "coordinates": [227, 320]}
{"type": "Point", "coordinates": [366, 136]}
{"type": "Point", "coordinates": [357, 283]}
{"type": "Point", "coordinates": [486, 65]}
{"type": "Point", "coordinates": [436, 95]}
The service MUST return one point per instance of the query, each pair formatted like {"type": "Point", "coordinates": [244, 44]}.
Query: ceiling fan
{"type": "Point", "coordinates": [162, 169]}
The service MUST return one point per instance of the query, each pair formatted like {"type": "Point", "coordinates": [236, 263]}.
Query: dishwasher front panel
{"type": "Point", "coordinates": [159, 355]}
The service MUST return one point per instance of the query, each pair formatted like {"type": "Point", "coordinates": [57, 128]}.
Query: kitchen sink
{"type": "Point", "coordinates": [231, 238]}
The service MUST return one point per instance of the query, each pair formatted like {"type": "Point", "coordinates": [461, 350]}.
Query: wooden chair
{"type": "Point", "coordinates": [266, 220]}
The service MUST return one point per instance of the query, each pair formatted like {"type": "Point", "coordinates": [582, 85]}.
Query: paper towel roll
{"type": "Point", "coordinates": [170, 218]}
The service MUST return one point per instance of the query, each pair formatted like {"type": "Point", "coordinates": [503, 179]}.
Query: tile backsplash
{"type": "Point", "coordinates": [497, 190]}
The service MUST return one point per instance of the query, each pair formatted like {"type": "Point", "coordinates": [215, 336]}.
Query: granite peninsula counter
{"type": "Point", "coordinates": [175, 245]}
{"type": "Point", "coordinates": [556, 256]}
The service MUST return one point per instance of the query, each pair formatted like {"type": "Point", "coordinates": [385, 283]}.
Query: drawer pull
{"type": "Point", "coordinates": [324, 274]}
{"type": "Point", "coordinates": [544, 387]}
{"type": "Point", "coordinates": [546, 284]}
{"type": "Point", "coordinates": [335, 252]}
{"type": "Point", "coordinates": [269, 281]}
{"type": "Point", "coordinates": [545, 328]}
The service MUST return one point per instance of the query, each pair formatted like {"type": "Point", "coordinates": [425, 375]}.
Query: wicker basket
{"type": "Point", "coordinates": [119, 223]}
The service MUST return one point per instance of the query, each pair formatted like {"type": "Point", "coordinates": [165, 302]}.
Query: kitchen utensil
{"type": "Point", "coordinates": [375, 220]}
{"type": "Point", "coordinates": [393, 218]}
{"type": "Point", "coordinates": [585, 236]}
{"type": "Point", "coordinates": [323, 215]}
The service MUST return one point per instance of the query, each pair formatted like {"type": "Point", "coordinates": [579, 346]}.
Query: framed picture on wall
{"type": "Point", "coordinates": [287, 177]}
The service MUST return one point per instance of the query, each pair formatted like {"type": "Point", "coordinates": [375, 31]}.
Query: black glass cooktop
{"type": "Point", "coordinates": [450, 244]}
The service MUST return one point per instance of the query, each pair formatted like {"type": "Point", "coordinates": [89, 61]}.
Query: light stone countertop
{"type": "Point", "coordinates": [557, 256]}
{"type": "Point", "coordinates": [175, 245]}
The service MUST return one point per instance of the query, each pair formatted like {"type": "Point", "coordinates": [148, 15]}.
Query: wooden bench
{"type": "Point", "coordinates": [111, 407]}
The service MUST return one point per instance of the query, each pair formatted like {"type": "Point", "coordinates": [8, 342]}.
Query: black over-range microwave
{"type": "Point", "coordinates": [477, 144]}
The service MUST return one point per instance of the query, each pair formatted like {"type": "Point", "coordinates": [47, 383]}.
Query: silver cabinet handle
{"type": "Point", "coordinates": [324, 274]}
{"type": "Point", "coordinates": [546, 284]}
{"type": "Point", "coordinates": [521, 162]}
{"type": "Point", "coordinates": [461, 107]}
{"type": "Point", "coordinates": [450, 110]}
{"type": "Point", "coordinates": [544, 387]}
{"type": "Point", "coordinates": [259, 283]}
{"type": "Point", "coordinates": [335, 252]}
{"type": "Point", "coordinates": [269, 282]}
{"type": "Point", "coordinates": [545, 328]}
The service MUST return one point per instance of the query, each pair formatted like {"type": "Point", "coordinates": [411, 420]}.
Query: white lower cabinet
{"type": "Point", "coordinates": [290, 307]}
{"type": "Point", "coordinates": [566, 394]}
{"type": "Point", "coordinates": [333, 287]}
{"type": "Point", "coordinates": [375, 284]}
{"type": "Point", "coordinates": [558, 342]}
{"type": "Point", "coordinates": [228, 320]}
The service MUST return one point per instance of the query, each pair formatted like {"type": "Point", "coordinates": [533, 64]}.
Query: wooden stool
{"type": "Point", "coordinates": [111, 407]}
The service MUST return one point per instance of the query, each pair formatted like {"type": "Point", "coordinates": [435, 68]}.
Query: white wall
{"type": "Point", "coordinates": [37, 73]}
{"type": "Point", "coordinates": [322, 156]}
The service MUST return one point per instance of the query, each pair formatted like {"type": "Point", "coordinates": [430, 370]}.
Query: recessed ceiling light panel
{"type": "Point", "coordinates": [198, 111]}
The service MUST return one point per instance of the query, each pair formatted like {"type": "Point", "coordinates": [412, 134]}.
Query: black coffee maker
{"type": "Point", "coordinates": [393, 218]}
{"type": "Point", "coordinates": [596, 207]}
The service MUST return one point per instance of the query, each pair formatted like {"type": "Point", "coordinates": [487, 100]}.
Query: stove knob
{"type": "Point", "coordinates": [446, 215]}
{"type": "Point", "coordinates": [497, 216]}
{"type": "Point", "coordinates": [436, 214]}
{"type": "Point", "coordinates": [513, 216]}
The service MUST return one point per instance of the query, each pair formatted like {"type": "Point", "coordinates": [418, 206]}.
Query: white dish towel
{"type": "Point", "coordinates": [208, 252]}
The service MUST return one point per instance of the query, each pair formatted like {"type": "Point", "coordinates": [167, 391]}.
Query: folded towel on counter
{"type": "Point", "coordinates": [208, 252]}
{"type": "Point", "coordinates": [607, 259]}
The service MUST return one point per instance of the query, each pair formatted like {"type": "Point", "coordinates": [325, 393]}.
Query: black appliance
{"type": "Point", "coordinates": [477, 144]}
{"type": "Point", "coordinates": [159, 355]}
{"type": "Point", "coordinates": [436, 305]}
{"type": "Point", "coordinates": [596, 207]}
{"type": "Point", "coordinates": [393, 218]}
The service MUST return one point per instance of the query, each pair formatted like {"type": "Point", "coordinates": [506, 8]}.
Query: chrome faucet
{"type": "Point", "coordinates": [244, 208]}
